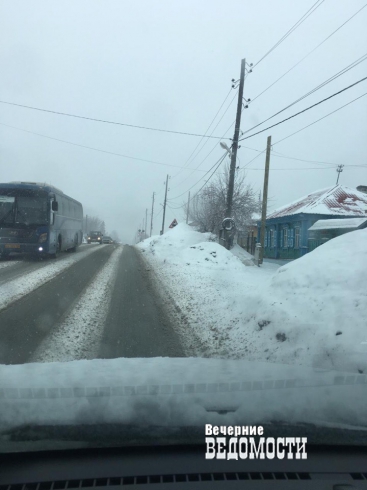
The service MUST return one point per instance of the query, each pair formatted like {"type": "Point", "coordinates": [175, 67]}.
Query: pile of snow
{"type": "Point", "coordinates": [311, 311]}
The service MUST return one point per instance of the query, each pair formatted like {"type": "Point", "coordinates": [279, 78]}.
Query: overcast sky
{"type": "Point", "coordinates": [168, 64]}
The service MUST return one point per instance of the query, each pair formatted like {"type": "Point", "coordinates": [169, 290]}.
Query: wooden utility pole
{"type": "Point", "coordinates": [339, 170]}
{"type": "Point", "coordinates": [265, 200]}
{"type": "Point", "coordinates": [188, 207]}
{"type": "Point", "coordinates": [151, 218]}
{"type": "Point", "coordinates": [164, 205]}
{"type": "Point", "coordinates": [146, 223]}
{"type": "Point", "coordinates": [235, 142]}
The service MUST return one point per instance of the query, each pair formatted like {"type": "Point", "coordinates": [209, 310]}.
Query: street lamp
{"type": "Point", "coordinates": [225, 147]}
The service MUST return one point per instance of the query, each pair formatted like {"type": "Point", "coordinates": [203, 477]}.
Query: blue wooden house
{"type": "Point", "coordinates": [287, 234]}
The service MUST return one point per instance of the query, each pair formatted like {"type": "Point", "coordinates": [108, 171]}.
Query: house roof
{"type": "Point", "coordinates": [334, 224]}
{"type": "Point", "coordinates": [338, 200]}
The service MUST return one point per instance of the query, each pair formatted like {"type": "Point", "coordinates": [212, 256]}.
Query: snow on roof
{"type": "Point", "coordinates": [333, 224]}
{"type": "Point", "coordinates": [338, 200]}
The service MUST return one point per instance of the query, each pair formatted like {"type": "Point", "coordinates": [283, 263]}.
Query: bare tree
{"type": "Point", "coordinates": [94, 224]}
{"type": "Point", "coordinates": [207, 209]}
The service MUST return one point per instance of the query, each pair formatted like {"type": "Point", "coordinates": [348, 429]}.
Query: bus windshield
{"type": "Point", "coordinates": [23, 208]}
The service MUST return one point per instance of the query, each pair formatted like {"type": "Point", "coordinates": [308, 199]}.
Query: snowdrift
{"type": "Point", "coordinates": [311, 311]}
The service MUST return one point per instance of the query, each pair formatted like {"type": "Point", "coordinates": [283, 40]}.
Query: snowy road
{"type": "Point", "coordinates": [96, 303]}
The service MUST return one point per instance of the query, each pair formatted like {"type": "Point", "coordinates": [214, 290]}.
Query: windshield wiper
{"type": "Point", "coordinates": [2, 220]}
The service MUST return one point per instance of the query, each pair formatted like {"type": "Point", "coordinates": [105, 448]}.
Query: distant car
{"type": "Point", "coordinates": [95, 237]}
{"type": "Point", "coordinates": [107, 239]}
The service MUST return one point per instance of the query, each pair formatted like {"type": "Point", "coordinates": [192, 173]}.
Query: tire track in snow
{"type": "Point", "coordinates": [79, 334]}
{"type": "Point", "coordinates": [17, 288]}
{"type": "Point", "coordinates": [5, 265]}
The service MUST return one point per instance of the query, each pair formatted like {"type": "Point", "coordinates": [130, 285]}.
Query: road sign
{"type": "Point", "coordinates": [173, 224]}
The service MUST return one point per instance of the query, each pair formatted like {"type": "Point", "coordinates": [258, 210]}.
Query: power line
{"type": "Point", "coordinates": [306, 168]}
{"type": "Point", "coordinates": [215, 146]}
{"type": "Point", "coordinates": [317, 120]}
{"type": "Point", "coordinates": [217, 163]}
{"type": "Point", "coordinates": [281, 155]}
{"type": "Point", "coordinates": [209, 178]}
{"type": "Point", "coordinates": [224, 113]}
{"type": "Point", "coordinates": [98, 149]}
{"type": "Point", "coordinates": [307, 109]}
{"type": "Point", "coordinates": [206, 143]}
{"type": "Point", "coordinates": [318, 87]}
{"type": "Point", "coordinates": [212, 121]}
{"type": "Point", "coordinates": [308, 54]}
{"type": "Point", "coordinates": [310, 11]}
{"type": "Point", "coordinates": [108, 122]}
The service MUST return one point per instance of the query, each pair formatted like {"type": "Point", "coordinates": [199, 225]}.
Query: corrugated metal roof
{"type": "Point", "coordinates": [334, 224]}
{"type": "Point", "coordinates": [338, 200]}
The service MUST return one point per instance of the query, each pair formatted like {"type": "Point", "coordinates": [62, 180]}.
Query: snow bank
{"type": "Point", "coordinates": [311, 311]}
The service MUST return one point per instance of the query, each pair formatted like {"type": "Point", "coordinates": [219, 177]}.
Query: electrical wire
{"type": "Point", "coordinates": [321, 118]}
{"type": "Point", "coordinates": [211, 151]}
{"type": "Point", "coordinates": [318, 87]}
{"type": "Point", "coordinates": [98, 149]}
{"type": "Point", "coordinates": [108, 122]}
{"type": "Point", "coordinates": [217, 164]}
{"type": "Point", "coordinates": [308, 54]}
{"type": "Point", "coordinates": [178, 173]}
{"type": "Point", "coordinates": [296, 168]}
{"type": "Point", "coordinates": [307, 109]}
{"type": "Point", "coordinates": [208, 179]}
{"type": "Point", "coordinates": [281, 155]}
{"type": "Point", "coordinates": [310, 11]}
{"type": "Point", "coordinates": [230, 90]}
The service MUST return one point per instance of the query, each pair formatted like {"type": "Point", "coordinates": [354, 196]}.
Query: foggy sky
{"type": "Point", "coordinates": [168, 64]}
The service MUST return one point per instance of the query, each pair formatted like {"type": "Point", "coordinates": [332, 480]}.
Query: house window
{"type": "Point", "coordinates": [285, 237]}
{"type": "Point", "coordinates": [297, 236]}
{"type": "Point", "coordinates": [272, 238]}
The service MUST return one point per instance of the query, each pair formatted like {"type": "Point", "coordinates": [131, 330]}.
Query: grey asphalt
{"type": "Point", "coordinates": [136, 325]}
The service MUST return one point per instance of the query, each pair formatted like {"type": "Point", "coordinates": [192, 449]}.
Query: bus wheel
{"type": "Point", "coordinates": [76, 241]}
{"type": "Point", "coordinates": [58, 249]}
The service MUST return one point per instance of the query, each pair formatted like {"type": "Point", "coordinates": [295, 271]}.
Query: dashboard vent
{"type": "Point", "coordinates": [359, 476]}
{"type": "Point", "coordinates": [146, 479]}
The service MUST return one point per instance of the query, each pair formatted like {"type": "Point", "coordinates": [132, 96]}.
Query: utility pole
{"type": "Point", "coordinates": [228, 227]}
{"type": "Point", "coordinates": [86, 223]}
{"type": "Point", "coordinates": [265, 200]}
{"type": "Point", "coordinates": [188, 207]}
{"type": "Point", "coordinates": [339, 170]}
{"type": "Point", "coordinates": [235, 142]}
{"type": "Point", "coordinates": [151, 218]}
{"type": "Point", "coordinates": [164, 205]}
{"type": "Point", "coordinates": [146, 223]}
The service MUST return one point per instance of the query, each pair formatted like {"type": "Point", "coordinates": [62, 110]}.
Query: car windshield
{"type": "Point", "coordinates": [183, 220]}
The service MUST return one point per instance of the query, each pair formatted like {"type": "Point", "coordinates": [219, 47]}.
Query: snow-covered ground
{"type": "Point", "coordinates": [16, 289]}
{"type": "Point", "coordinates": [311, 311]}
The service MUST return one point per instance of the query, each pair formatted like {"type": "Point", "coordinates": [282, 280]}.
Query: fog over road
{"type": "Point", "coordinates": [96, 303]}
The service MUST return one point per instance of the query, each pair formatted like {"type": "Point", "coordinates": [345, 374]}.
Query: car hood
{"type": "Point", "coordinates": [172, 392]}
